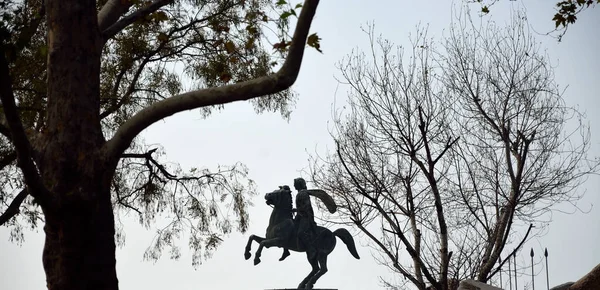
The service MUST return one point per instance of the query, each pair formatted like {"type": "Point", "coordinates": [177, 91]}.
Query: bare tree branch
{"type": "Point", "coordinates": [8, 159]}
{"type": "Point", "coordinates": [13, 208]}
{"type": "Point", "coordinates": [5, 131]}
{"type": "Point", "coordinates": [274, 83]}
{"type": "Point", "coordinates": [115, 28]}
{"type": "Point", "coordinates": [511, 253]}
{"type": "Point", "coordinates": [111, 12]}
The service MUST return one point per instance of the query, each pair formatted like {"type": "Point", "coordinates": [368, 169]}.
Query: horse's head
{"type": "Point", "coordinates": [280, 198]}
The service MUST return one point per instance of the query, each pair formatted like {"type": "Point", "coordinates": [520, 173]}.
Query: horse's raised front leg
{"type": "Point", "coordinates": [266, 243]}
{"type": "Point", "coordinates": [249, 245]}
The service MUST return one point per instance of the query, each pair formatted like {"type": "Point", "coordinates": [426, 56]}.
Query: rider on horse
{"type": "Point", "coordinates": [304, 220]}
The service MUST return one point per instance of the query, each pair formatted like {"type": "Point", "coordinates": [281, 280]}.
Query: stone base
{"type": "Point", "coordinates": [469, 284]}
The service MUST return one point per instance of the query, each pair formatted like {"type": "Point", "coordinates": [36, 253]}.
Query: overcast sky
{"type": "Point", "coordinates": [276, 152]}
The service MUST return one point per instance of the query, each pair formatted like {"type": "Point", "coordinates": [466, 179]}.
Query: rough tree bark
{"type": "Point", "coordinates": [69, 167]}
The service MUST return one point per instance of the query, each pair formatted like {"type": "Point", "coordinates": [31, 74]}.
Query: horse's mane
{"type": "Point", "coordinates": [287, 200]}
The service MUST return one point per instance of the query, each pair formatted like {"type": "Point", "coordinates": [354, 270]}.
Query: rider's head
{"type": "Point", "coordinates": [299, 183]}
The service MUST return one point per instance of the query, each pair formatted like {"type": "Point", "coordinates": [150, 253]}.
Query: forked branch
{"type": "Point", "coordinates": [115, 28]}
{"type": "Point", "coordinates": [111, 12]}
{"type": "Point", "coordinates": [247, 90]}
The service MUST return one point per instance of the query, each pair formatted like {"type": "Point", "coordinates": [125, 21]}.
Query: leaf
{"type": "Point", "coordinates": [225, 77]}
{"type": "Point", "coordinates": [162, 37]}
{"type": "Point", "coordinates": [558, 20]}
{"type": "Point", "coordinates": [299, 5]}
{"type": "Point", "coordinates": [250, 44]}
{"type": "Point", "coordinates": [485, 10]}
{"type": "Point", "coordinates": [314, 41]}
{"type": "Point", "coordinates": [251, 29]}
{"type": "Point", "coordinates": [281, 2]}
{"type": "Point", "coordinates": [281, 45]}
{"type": "Point", "coordinates": [230, 47]}
{"type": "Point", "coordinates": [161, 16]}
{"type": "Point", "coordinates": [285, 15]}
{"type": "Point", "coordinates": [43, 50]}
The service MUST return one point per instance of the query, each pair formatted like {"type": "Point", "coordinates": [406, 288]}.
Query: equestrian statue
{"type": "Point", "coordinates": [300, 233]}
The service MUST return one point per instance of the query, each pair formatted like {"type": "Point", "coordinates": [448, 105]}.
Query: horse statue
{"type": "Point", "coordinates": [283, 233]}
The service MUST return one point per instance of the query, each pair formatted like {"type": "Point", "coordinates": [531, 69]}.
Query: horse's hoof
{"type": "Point", "coordinates": [285, 255]}
{"type": "Point", "coordinates": [256, 261]}
{"type": "Point", "coordinates": [247, 255]}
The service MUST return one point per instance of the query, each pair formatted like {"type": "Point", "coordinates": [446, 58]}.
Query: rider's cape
{"type": "Point", "coordinates": [324, 197]}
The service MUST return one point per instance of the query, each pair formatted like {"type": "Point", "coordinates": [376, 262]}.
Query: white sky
{"type": "Point", "coordinates": [276, 152]}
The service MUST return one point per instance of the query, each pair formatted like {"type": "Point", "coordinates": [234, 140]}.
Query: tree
{"type": "Point", "coordinates": [108, 76]}
{"type": "Point", "coordinates": [566, 11]}
{"type": "Point", "coordinates": [444, 154]}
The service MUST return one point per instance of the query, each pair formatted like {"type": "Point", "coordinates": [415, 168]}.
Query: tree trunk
{"type": "Point", "coordinates": [79, 251]}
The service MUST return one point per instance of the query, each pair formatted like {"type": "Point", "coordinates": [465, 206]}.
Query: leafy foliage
{"type": "Point", "coordinates": [566, 13]}
{"type": "Point", "coordinates": [568, 10]}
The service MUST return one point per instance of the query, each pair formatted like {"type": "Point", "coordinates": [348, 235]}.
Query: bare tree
{"type": "Point", "coordinates": [521, 152]}
{"type": "Point", "coordinates": [442, 153]}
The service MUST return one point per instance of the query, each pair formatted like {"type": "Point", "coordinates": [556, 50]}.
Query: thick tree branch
{"type": "Point", "coordinates": [8, 159]}
{"type": "Point", "coordinates": [247, 90]}
{"type": "Point", "coordinates": [19, 138]}
{"type": "Point", "coordinates": [439, 207]}
{"type": "Point", "coordinates": [511, 254]}
{"type": "Point", "coordinates": [111, 12]}
{"type": "Point", "coordinates": [115, 28]}
{"type": "Point", "coordinates": [13, 208]}
{"type": "Point", "coordinates": [5, 131]}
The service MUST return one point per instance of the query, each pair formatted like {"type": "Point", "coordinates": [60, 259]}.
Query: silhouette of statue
{"type": "Point", "coordinates": [300, 234]}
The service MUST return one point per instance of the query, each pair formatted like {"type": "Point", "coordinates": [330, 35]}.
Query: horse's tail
{"type": "Point", "coordinates": [347, 238]}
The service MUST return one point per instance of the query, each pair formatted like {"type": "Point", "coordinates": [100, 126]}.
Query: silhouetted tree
{"type": "Point", "coordinates": [79, 81]}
